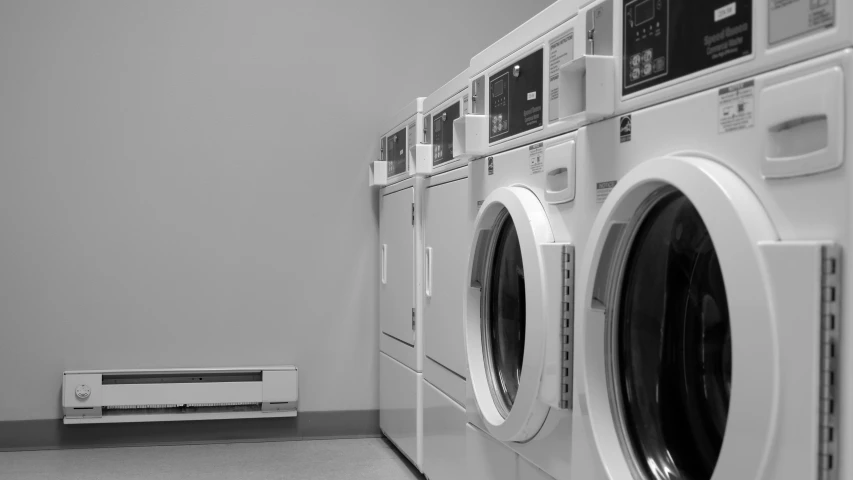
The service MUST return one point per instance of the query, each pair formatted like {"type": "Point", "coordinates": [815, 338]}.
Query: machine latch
{"type": "Point", "coordinates": [829, 351]}
{"type": "Point", "coordinates": [568, 325]}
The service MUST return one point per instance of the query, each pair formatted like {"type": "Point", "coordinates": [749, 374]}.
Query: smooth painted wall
{"type": "Point", "coordinates": [183, 183]}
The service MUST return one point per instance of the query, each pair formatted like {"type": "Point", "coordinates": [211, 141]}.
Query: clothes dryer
{"type": "Point", "coordinates": [446, 228]}
{"type": "Point", "coordinates": [401, 241]}
{"type": "Point", "coordinates": [710, 322]}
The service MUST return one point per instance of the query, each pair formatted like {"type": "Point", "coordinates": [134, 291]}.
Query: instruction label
{"type": "Point", "coordinates": [789, 19]}
{"type": "Point", "coordinates": [465, 105]}
{"type": "Point", "coordinates": [737, 107]}
{"type": "Point", "coordinates": [537, 153]}
{"type": "Point", "coordinates": [603, 189]}
{"type": "Point", "coordinates": [561, 51]}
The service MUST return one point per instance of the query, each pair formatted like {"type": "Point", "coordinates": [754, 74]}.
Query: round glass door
{"type": "Point", "coordinates": [506, 318]}
{"type": "Point", "coordinates": [505, 314]}
{"type": "Point", "coordinates": [671, 343]}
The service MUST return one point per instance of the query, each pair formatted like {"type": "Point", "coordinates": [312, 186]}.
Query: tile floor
{"type": "Point", "coordinates": [369, 458]}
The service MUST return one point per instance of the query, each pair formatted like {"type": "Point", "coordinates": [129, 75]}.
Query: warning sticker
{"type": "Point", "coordinates": [536, 158]}
{"type": "Point", "coordinates": [625, 128]}
{"type": "Point", "coordinates": [561, 51]}
{"type": "Point", "coordinates": [789, 19]}
{"type": "Point", "coordinates": [737, 107]}
{"type": "Point", "coordinates": [603, 189]}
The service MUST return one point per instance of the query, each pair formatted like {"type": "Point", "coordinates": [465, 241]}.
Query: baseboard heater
{"type": "Point", "coordinates": [125, 396]}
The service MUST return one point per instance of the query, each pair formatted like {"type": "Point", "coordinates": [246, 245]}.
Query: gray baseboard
{"type": "Point", "coordinates": [53, 434]}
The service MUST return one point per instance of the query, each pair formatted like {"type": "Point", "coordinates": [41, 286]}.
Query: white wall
{"type": "Point", "coordinates": [182, 183]}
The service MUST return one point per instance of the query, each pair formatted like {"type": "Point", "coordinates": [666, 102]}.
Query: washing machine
{"type": "Point", "coordinates": [710, 320]}
{"type": "Point", "coordinates": [400, 284]}
{"type": "Point", "coordinates": [527, 237]}
{"type": "Point", "coordinates": [446, 228]}
{"type": "Point", "coordinates": [528, 113]}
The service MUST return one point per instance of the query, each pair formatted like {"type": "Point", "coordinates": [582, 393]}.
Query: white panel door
{"type": "Point", "coordinates": [398, 405]}
{"type": "Point", "coordinates": [447, 243]}
{"type": "Point", "coordinates": [444, 436]}
{"type": "Point", "coordinates": [397, 263]}
{"type": "Point", "coordinates": [489, 459]}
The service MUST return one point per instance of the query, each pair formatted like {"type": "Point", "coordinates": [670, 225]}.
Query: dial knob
{"type": "Point", "coordinates": [82, 391]}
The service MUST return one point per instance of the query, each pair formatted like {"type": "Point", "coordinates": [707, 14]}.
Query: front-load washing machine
{"type": "Point", "coordinates": [527, 238]}
{"type": "Point", "coordinates": [667, 50]}
{"type": "Point", "coordinates": [710, 325]}
{"type": "Point", "coordinates": [401, 241]}
{"type": "Point", "coordinates": [527, 108]}
{"type": "Point", "coordinates": [446, 229]}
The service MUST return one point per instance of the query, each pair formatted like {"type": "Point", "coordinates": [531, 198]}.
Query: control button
{"type": "Point", "coordinates": [635, 74]}
{"type": "Point", "coordinates": [647, 69]}
{"type": "Point", "coordinates": [635, 60]}
{"type": "Point", "coordinates": [82, 392]}
{"type": "Point", "coordinates": [647, 56]}
{"type": "Point", "coordinates": [660, 64]}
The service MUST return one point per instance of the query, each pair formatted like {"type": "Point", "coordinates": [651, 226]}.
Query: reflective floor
{"type": "Point", "coordinates": [369, 458]}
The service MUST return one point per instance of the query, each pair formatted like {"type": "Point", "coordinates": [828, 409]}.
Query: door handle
{"type": "Point", "coordinates": [429, 272]}
{"type": "Point", "coordinates": [383, 261]}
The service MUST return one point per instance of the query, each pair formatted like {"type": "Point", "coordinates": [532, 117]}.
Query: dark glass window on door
{"type": "Point", "coordinates": [507, 315]}
{"type": "Point", "coordinates": [674, 345]}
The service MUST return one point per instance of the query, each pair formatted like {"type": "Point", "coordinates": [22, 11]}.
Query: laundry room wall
{"type": "Point", "coordinates": [184, 183]}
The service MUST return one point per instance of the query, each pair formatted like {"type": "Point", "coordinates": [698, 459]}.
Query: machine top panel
{"type": "Point", "coordinates": [559, 12]}
{"type": "Point", "coordinates": [403, 116]}
{"type": "Point", "coordinates": [447, 91]}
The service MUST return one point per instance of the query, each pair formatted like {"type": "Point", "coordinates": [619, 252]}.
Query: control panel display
{"type": "Point", "coordinates": [515, 102]}
{"type": "Point", "coordinates": [442, 134]}
{"type": "Point", "coordinates": [668, 39]}
{"type": "Point", "coordinates": [644, 12]}
{"type": "Point", "coordinates": [396, 146]}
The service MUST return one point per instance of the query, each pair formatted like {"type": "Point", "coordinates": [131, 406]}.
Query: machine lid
{"type": "Point", "coordinates": [505, 311]}
{"type": "Point", "coordinates": [680, 370]}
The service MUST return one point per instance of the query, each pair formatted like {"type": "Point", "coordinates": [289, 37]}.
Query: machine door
{"type": "Point", "coordinates": [397, 266]}
{"type": "Point", "coordinates": [446, 231]}
{"type": "Point", "coordinates": [515, 315]}
{"type": "Point", "coordinates": [701, 328]}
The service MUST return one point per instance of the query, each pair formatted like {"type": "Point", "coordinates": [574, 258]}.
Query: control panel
{"type": "Point", "coordinates": [442, 134]}
{"type": "Point", "coordinates": [515, 97]}
{"type": "Point", "coordinates": [668, 39]}
{"type": "Point", "coordinates": [396, 153]}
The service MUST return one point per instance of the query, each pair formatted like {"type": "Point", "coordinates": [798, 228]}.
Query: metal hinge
{"type": "Point", "coordinates": [829, 352]}
{"type": "Point", "coordinates": [413, 319]}
{"type": "Point", "coordinates": [568, 318]}
{"type": "Point", "coordinates": [413, 214]}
